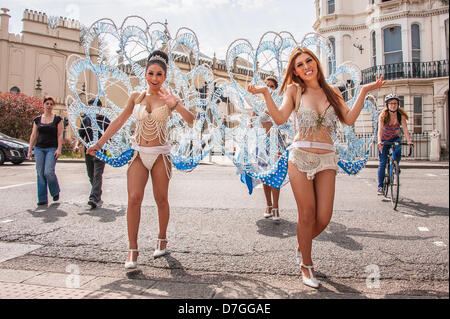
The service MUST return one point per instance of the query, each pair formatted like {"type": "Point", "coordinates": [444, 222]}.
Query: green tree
{"type": "Point", "coordinates": [17, 112]}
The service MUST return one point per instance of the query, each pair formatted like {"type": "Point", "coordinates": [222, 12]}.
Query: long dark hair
{"type": "Point", "coordinates": [290, 78]}
{"type": "Point", "coordinates": [386, 115]}
{"type": "Point", "coordinates": [161, 54]}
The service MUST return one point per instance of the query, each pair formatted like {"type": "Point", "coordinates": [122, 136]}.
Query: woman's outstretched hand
{"type": "Point", "coordinates": [167, 97]}
{"type": "Point", "coordinates": [379, 82]}
{"type": "Point", "coordinates": [253, 89]}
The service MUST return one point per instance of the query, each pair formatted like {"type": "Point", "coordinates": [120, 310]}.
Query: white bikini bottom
{"type": "Point", "coordinates": [149, 155]}
{"type": "Point", "coordinates": [312, 163]}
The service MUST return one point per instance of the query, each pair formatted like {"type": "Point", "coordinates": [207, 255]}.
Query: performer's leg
{"type": "Point", "coordinates": [137, 177]}
{"type": "Point", "coordinates": [305, 198]}
{"type": "Point", "coordinates": [268, 195]}
{"type": "Point", "coordinates": [324, 187]}
{"type": "Point", "coordinates": [160, 182]}
{"type": "Point", "coordinates": [275, 196]}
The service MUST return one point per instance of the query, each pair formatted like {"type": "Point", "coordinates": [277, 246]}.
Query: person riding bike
{"type": "Point", "coordinates": [389, 122]}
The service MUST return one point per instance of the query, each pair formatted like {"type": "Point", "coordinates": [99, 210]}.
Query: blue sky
{"type": "Point", "coordinates": [217, 23]}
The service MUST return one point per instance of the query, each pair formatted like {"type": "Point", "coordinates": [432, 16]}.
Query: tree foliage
{"type": "Point", "coordinates": [17, 112]}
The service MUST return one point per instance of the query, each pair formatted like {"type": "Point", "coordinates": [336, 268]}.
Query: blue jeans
{"type": "Point", "coordinates": [45, 168]}
{"type": "Point", "coordinates": [383, 158]}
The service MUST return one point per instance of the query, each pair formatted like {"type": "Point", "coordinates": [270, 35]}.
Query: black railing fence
{"type": "Point", "coordinates": [406, 70]}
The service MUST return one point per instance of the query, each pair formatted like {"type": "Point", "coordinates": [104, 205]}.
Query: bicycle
{"type": "Point", "coordinates": [392, 175]}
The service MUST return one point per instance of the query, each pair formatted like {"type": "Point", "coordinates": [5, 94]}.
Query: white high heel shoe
{"type": "Point", "coordinates": [311, 281]}
{"type": "Point", "coordinates": [267, 213]}
{"type": "Point", "coordinates": [276, 214]}
{"type": "Point", "coordinates": [131, 264]}
{"type": "Point", "coordinates": [158, 251]}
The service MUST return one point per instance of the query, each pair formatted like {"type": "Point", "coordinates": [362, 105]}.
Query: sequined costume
{"type": "Point", "coordinates": [149, 127]}
{"type": "Point", "coordinates": [309, 124]}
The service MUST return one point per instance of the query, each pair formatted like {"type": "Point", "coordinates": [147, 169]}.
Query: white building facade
{"type": "Point", "coordinates": [406, 41]}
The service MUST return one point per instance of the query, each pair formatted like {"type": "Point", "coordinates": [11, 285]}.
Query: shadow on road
{"type": "Point", "coordinates": [49, 213]}
{"type": "Point", "coordinates": [420, 209]}
{"type": "Point", "coordinates": [281, 229]}
{"type": "Point", "coordinates": [184, 285]}
{"type": "Point", "coordinates": [105, 215]}
{"type": "Point", "coordinates": [341, 235]}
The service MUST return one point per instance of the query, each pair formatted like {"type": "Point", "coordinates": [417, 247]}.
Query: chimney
{"type": "Point", "coordinates": [4, 23]}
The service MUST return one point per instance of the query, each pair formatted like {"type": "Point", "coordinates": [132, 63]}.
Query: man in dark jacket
{"type": "Point", "coordinates": [94, 166]}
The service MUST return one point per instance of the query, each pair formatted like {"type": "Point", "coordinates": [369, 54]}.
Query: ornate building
{"type": "Point", "coordinates": [406, 41]}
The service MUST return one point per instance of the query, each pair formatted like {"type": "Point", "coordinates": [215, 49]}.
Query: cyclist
{"type": "Point", "coordinates": [389, 122]}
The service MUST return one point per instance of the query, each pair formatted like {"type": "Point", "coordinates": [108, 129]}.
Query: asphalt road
{"type": "Point", "coordinates": [217, 227]}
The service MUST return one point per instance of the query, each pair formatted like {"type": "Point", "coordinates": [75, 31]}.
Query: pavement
{"type": "Point", "coordinates": [28, 275]}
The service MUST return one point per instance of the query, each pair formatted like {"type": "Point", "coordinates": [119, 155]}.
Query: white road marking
{"type": "Point", "coordinates": [6, 221]}
{"type": "Point", "coordinates": [432, 175]}
{"type": "Point", "coordinates": [17, 185]}
{"type": "Point", "coordinates": [423, 228]}
{"type": "Point", "coordinates": [439, 243]}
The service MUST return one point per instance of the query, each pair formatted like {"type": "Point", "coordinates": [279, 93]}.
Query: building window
{"type": "Point", "coordinates": [415, 42]}
{"type": "Point", "coordinates": [418, 115]}
{"type": "Point", "coordinates": [15, 90]}
{"type": "Point", "coordinates": [374, 48]}
{"type": "Point", "coordinates": [393, 45]}
{"type": "Point", "coordinates": [331, 6]}
{"type": "Point", "coordinates": [330, 59]}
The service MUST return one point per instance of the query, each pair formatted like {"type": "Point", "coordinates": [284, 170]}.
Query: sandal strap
{"type": "Point", "coordinates": [159, 241]}
{"type": "Point", "coordinates": [307, 267]}
{"type": "Point", "coordinates": [309, 270]}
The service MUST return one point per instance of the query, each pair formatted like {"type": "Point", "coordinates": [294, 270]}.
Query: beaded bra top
{"type": "Point", "coordinates": [309, 121]}
{"type": "Point", "coordinates": [150, 126]}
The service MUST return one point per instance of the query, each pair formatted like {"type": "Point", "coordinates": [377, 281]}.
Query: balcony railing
{"type": "Point", "coordinates": [406, 70]}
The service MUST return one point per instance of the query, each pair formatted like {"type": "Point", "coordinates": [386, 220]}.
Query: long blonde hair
{"type": "Point", "coordinates": [290, 78]}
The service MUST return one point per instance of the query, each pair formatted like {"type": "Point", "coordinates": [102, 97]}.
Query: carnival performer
{"type": "Point", "coordinates": [46, 139]}
{"type": "Point", "coordinates": [151, 110]}
{"type": "Point", "coordinates": [271, 194]}
{"type": "Point", "coordinates": [313, 162]}
{"type": "Point", "coordinates": [389, 122]}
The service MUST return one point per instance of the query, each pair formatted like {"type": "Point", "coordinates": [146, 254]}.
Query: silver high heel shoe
{"type": "Point", "coordinates": [267, 213]}
{"type": "Point", "coordinates": [158, 251]}
{"type": "Point", "coordinates": [311, 281]}
{"type": "Point", "coordinates": [276, 214]}
{"type": "Point", "coordinates": [131, 264]}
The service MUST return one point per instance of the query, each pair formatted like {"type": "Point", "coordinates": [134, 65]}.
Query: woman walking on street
{"type": "Point", "coordinates": [312, 165]}
{"type": "Point", "coordinates": [151, 110]}
{"type": "Point", "coordinates": [46, 139]}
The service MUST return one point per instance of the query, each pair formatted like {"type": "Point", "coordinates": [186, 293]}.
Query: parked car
{"type": "Point", "coordinates": [12, 149]}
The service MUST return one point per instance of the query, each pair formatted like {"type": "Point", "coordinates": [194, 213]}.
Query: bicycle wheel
{"type": "Point", "coordinates": [395, 185]}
